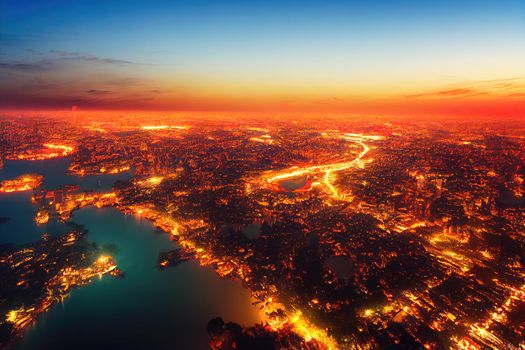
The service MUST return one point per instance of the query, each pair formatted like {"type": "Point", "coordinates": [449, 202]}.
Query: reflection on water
{"type": "Point", "coordinates": [293, 183]}
{"type": "Point", "coordinates": [148, 308]}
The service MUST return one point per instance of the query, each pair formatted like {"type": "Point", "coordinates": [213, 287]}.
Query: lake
{"type": "Point", "coordinates": [148, 308]}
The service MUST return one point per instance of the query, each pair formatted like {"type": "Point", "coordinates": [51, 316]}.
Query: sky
{"type": "Point", "coordinates": [346, 57]}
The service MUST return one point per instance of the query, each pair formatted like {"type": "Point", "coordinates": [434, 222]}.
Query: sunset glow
{"type": "Point", "coordinates": [407, 58]}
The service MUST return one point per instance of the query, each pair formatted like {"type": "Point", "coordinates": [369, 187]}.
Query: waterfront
{"type": "Point", "coordinates": [17, 208]}
{"type": "Point", "coordinates": [55, 174]}
{"type": "Point", "coordinates": [148, 308]}
{"type": "Point", "coordinates": [401, 237]}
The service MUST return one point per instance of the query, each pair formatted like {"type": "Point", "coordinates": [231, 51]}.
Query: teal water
{"type": "Point", "coordinates": [21, 228]}
{"type": "Point", "coordinates": [55, 174]}
{"type": "Point", "coordinates": [148, 308]}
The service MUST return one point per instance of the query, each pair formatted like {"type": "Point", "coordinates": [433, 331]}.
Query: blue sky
{"type": "Point", "coordinates": [257, 50]}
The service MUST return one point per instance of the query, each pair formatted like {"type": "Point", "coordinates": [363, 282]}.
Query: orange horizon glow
{"type": "Point", "coordinates": [510, 108]}
{"type": "Point", "coordinates": [403, 58]}
{"type": "Point", "coordinates": [490, 98]}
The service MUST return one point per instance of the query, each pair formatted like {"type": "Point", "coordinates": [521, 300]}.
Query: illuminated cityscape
{"type": "Point", "coordinates": [369, 235]}
{"type": "Point", "coordinates": [262, 175]}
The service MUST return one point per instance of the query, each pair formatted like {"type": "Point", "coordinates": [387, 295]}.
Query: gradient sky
{"type": "Point", "coordinates": [349, 57]}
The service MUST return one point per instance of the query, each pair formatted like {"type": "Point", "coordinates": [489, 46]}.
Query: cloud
{"type": "Point", "coordinates": [26, 100]}
{"type": "Point", "coordinates": [128, 81]}
{"type": "Point", "coordinates": [460, 92]}
{"type": "Point", "coordinates": [56, 61]}
{"type": "Point", "coordinates": [25, 66]}
{"type": "Point", "coordinates": [512, 87]}
{"type": "Point", "coordinates": [77, 56]}
{"type": "Point", "coordinates": [98, 92]}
